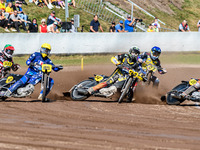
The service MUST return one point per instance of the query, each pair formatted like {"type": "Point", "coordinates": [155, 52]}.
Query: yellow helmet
{"type": "Point", "coordinates": [45, 50]}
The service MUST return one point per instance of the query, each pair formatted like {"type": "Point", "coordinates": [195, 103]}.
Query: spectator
{"type": "Point", "coordinates": [155, 23]}
{"type": "Point", "coordinates": [129, 24]}
{"type": "Point", "coordinates": [54, 28]}
{"type": "Point", "coordinates": [61, 4]}
{"type": "Point", "coordinates": [95, 25]}
{"type": "Point", "coordinates": [71, 3]}
{"type": "Point", "coordinates": [183, 27]}
{"type": "Point", "coordinates": [20, 11]}
{"type": "Point", "coordinates": [150, 29]}
{"type": "Point", "coordinates": [17, 21]}
{"type": "Point", "coordinates": [198, 25]}
{"type": "Point", "coordinates": [112, 27]}
{"type": "Point", "coordinates": [43, 26]}
{"type": "Point", "coordinates": [40, 3]}
{"type": "Point", "coordinates": [51, 19]}
{"type": "Point", "coordinates": [119, 27]}
{"type": "Point", "coordinates": [155, 27]}
{"type": "Point", "coordinates": [3, 21]}
{"type": "Point", "coordinates": [2, 5]}
{"type": "Point", "coordinates": [33, 27]}
{"type": "Point", "coordinates": [73, 29]}
{"type": "Point", "coordinates": [9, 9]}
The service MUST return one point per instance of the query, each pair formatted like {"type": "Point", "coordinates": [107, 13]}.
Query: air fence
{"type": "Point", "coordinates": [89, 43]}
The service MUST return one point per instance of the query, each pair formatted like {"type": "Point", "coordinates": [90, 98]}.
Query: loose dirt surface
{"type": "Point", "coordinates": [98, 124]}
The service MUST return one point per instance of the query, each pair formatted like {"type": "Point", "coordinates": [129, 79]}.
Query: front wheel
{"type": "Point", "coordinates": [125, 90]}
{"type": "Point", "coordinates": [174, 101]}
{"type": "Point", "coordinates": [44, 87]}
{"type": "Point", "coordinates": [75, 95]}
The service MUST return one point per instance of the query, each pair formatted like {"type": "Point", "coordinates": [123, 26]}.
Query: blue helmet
{"type": "Point", "coordinates": [155, 52]}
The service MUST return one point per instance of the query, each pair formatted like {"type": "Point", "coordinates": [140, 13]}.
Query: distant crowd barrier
{"type": "Point", "coordinates": [83, 43]}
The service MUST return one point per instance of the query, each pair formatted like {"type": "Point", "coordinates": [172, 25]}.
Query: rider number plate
{"type": "Point", "coordinates": [7, 64]}
{"type": "Point", "coordinates": [46, 67]}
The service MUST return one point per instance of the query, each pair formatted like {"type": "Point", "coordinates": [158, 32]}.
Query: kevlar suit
{"type": "Point", "coordinates": [124, 62]}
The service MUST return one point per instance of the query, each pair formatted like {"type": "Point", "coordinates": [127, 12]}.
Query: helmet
{"type": "Point", "coordinates": [155, 52]}
{"type": "Point", "coordinates": [8, 50]}
{"type": "Point", "coordinates": [134, 51]}
{"type": "Point", "coordinates": [45, 50]}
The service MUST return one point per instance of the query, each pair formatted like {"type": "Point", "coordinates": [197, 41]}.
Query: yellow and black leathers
{"type": "Point", "coordinates": [124, 62]}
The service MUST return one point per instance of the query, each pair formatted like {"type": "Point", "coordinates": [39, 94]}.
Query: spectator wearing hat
{"type": "Point", "coordinates": [119, 27]}
{"type": "Point", "coordinates": [129, 24]}
{"type": "Point", "coordinates": [43, 26]}
{"type": "Point", "coordinates": [156, 24]}
{"type": "Point", "coordinates": [183, 27]}
{"type": "Point", "coordinates": [73, 29]}
{"type": "Point", "coordinates": [198, 25]}
{"type": "Point", "coordinates": [112, 27]}
{"type": "Point", "coordinates": [95, 25]}
{"type": "Point", "coordinates": [18, 7]}
{"type": "Point", "coordinates": [33, 27]}
{"type": "Point", "coordinates": [54, 28]}
{"type": "Point", "coordinates": [51, 19]}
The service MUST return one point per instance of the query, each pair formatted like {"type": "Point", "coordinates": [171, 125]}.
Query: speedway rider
{"type": "Point", "coordinates": [124, 62]}
{"type": "Point", "coordinates": [33, 74]}
{"type": "Point", "coordinates": [154, 57]}
{"type": "Point", "coordinates": [6, 56]}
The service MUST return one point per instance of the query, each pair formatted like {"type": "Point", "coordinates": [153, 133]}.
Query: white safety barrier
{"type": "Point", "coordinates": [82, 43]}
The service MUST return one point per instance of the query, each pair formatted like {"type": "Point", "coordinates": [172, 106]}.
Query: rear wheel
{"type": "Point", "coordinates": [174, 101]}
{"type": "Point", "coordinates": [125, 90]}
{"type": "Point", "coordinates": [44, 88]}
{"type": "Point", "coordinates": [75, 95]}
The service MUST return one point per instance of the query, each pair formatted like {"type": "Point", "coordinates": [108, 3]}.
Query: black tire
{"type": "Point", "coordinates": [149, 77]}
{"type": "Point", "coordinates": [125, 91]}
{"type": "Point", "coordinates": [3, 98]}
{"type": "Point", "coordinates": [44, 88]}
{"type": "Point", "coordinates": [174, 101]}
{"type": "Point", "coordinates": [75, 95]}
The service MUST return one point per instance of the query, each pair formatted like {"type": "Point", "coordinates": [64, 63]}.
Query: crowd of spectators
{"type": "Point", "coordinates": [13, 17]}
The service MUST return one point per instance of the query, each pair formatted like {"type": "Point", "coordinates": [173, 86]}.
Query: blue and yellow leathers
{"type": "Point", "coordinates": [34, 74]}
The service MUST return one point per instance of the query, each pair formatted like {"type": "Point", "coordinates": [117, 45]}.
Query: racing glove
{"type": "Point", "coordinates": [57, 68]}
{"type": "Point", "coordinates": [163, 71]}
{"type": "Point", "coordinates": [15, 67]}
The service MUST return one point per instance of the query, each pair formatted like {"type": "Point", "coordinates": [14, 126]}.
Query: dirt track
{"type": "Point", "coordinates": [98, 124]}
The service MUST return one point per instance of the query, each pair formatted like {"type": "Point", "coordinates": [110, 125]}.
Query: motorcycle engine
{"type": "Point", "coordinates": [25, 91]}
{"type": "Point", "coordinates": [196, 94]}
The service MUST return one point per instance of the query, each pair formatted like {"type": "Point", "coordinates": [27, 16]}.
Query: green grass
{"type": "Point", "coordinates": [75, 60]}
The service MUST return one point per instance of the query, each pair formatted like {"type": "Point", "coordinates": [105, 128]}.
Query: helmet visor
{"type": "Point", "coordinates": [45, 51]}
{"type": "Point", "coordinates": [156, 54]}
{"type": "Point", "coordinates": [10, 52]}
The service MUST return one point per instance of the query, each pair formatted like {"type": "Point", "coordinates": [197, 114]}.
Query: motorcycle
{"type": "Point", "coordinates": [27, 89]}
{"type": "Point", "coordinates": [174, 96]}
{"type": "Point", "coordinates": [124, 86]}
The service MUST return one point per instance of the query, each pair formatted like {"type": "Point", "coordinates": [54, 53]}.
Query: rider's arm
{"type": "Point", "coordinates": [30, 59]}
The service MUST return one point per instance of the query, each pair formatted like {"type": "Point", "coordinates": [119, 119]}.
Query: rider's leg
{"type": "Point", "coordinates": [155, 81]}
{"type": "Point", "coordinates": [51, 83]}
{"type": "Point", "coordinates": [114, 77]}
{"type": "Point", "coordinates": [191, 89]}
{"type": "Point", "coordinates": [18, 84]}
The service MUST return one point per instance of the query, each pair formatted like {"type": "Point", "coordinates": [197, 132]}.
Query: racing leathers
{"type": "Point", "coordinates": [147, 57]}
{"type": "Point", "coordinates": [123, 62]}
{"type": "Point", "coordinates": [9, 65]}
{"type": "Point", "coordinates": [34, 73]}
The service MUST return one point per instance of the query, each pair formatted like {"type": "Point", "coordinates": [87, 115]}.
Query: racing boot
{"type": "Point", "coordinates": [8, 93]}
{"type": "Point", "coordinates": [40, 98]}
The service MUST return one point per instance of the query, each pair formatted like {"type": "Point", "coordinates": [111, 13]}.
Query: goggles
{"type": "Point", "coordinates": [156, 53]}
{"type": "Point", "coordinates": [10, 52]}
{"type": "Point", "coordinates": [45, 51]}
